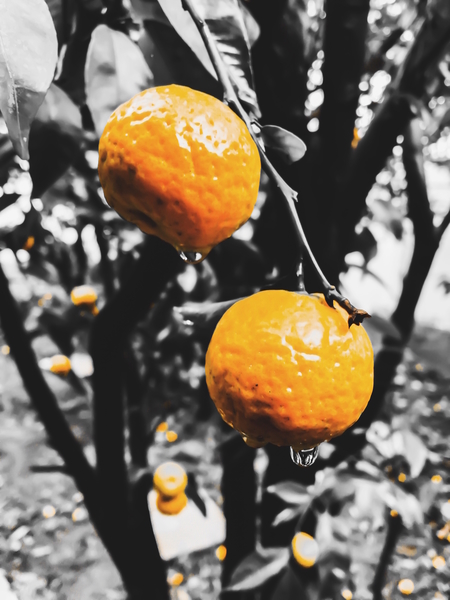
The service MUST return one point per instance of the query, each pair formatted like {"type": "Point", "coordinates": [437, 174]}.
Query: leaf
{"type": "Point", "coordinates": [413, 449]}
{"type": "Point", "coordinates": [407, 505]}
{"type": "Point", "coordinates": [171, 60]}
{"type": "Point", "coordinates": [257, 568]}
{"type": "Point", "coordinates": [28, 55]}
{"type": "Point", "coordinates": [55, 139]}
{"type": "Point", "coordinates": [290, 147]}
{"type": "Point", "coordinates": [385, 326]}
{"type": "Point", "coordinates": [115, 71]}
{"type": "Point", "coordinates": [202, 315]}
{"type": "Point", "coordinates": [226, 22]}
{"type": "Point", "coordinates": [290, 492]}
{"type": "Point", "coordinates": [286, 515]}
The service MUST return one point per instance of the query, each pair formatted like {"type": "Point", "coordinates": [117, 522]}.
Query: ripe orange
{"type": "Point", "coordinates": [173, 505]}
{"type": "Point", "coordinates": [60, 365]}
{"type": "Point", "coordinates": [305, 549]}
{"type": "Point", "coordinates": [170, 479]}
{"type": "Point", "coordinates": [181, 165]}
{"type": "Point", "coordinates": [86, 297]}
{"type": "Point", "coordinates": [285, 368]}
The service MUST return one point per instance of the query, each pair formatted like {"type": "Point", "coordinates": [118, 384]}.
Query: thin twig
{"type": "Point", "coordinates": [290, 196]}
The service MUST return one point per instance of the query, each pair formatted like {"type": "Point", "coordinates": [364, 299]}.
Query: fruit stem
{"type": "Point", "coordinates": [356, 316]}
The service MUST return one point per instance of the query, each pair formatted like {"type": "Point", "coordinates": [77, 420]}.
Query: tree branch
{"type": "Point", "coordinates": [42, 397]}
{"type": "Point", "coordinates": [157, 264]}
{"type": "Point", "coordinates": [344, 46]}
{"type": "Point", "coordinates": [394, 528]}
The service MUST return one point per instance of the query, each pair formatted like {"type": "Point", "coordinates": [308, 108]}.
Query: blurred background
{"type": "Point", "coordinates": [366, 86]}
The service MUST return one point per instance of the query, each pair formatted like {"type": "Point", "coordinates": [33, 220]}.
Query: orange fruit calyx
{"type": "Point", "coordinates": [285, 368]}
{"type": "Point", "coordinates": [181, 165]}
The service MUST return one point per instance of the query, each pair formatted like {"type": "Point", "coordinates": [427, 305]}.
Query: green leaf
{"type": "Point", "coordinates": [257, 568]}
{"type": "Point", "coordinates": [28, 56]}
{"type": "Point", "coordinates": [290, 147]}
{"type": "Point", "coordinates": [115, 71]}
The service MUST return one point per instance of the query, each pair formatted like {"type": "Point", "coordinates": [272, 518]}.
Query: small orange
{"type": "Point", "coordinates": [85, 296]}
{"type": "Point", "coordinates": [60, 365]}
{"type": "Point", "coordinates": [170, 479]}
{"type": "Point", "coordinates": [285, 368]}
{"type": "Point", "coordinates": [181, 165]}
{"type": "Point", "coordinates": [406, 586]}
{"type": "Point", "coordinates": [171, 505]}
{"type": "Point", "coordinates": [305, 549]}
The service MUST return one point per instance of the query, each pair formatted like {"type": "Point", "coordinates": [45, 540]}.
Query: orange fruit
{"type": "Point", "coordinates": [305, 549]}
{"type": "Point", "coordinates": [171, 505]}
{"type": "Point", "coordinates": [170, 479]}
{"type": "Point", "coordinates": [285, 368]}
{"type": "Point", "coordinates": [85, 296]}
{"type": "Point", "coordinates": [406, 586]}
{"type": "Point", "coordinates": [60, 364]}
{"type": "Point", "coordinates": [181, 165]}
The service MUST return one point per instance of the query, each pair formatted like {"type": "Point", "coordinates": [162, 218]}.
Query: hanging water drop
{"type": "Point", "coordinates": [191, 258]}
{"type": "Point", "coordinates": [305, 458]}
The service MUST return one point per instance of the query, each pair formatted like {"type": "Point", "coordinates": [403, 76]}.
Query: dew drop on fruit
{"type": "Point", "coordinates": [191, 258]}
{"type": "Point", "coordinates": [304, 458]}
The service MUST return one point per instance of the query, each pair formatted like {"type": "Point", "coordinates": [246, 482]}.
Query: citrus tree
{"type": "Point", "coordinates": [365, 86]}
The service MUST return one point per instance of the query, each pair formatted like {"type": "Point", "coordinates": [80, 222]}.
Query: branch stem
{"type": "Point", "coordinates": [289, 195]}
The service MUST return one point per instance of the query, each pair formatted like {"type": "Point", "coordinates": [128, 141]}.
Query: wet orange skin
{"type": "Point", "coordinates": [180, 165]}
{"type": "Point", "coordinates": [285, 368]}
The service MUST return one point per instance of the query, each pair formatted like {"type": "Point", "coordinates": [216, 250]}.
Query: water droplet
{"type": "Point", "coordinates": [192, 258]}
{"type": "Point", "coordinates": [305, 458]}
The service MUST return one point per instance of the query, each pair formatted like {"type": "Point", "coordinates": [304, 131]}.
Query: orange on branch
{"type": "Point", "coordinates": [181, 165]}
{"type": "Point", "coordinates": [285, 368]}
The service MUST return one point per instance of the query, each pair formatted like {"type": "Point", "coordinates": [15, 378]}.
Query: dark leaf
{"type": "Point", "coordinates": [290, 147]}
{"type": "Point", "coordinates": [227, 25]}
{"type": "Point", "coordinates": [170, 59]}
{"type": "Point", "coordinates": [63, 13]}
{"type": "Point", "coordinates": [71, 73]}
{"type": "Point", "coordinates": [202, 315]}
{"type": "Point", "coordinates": [385, 327]}
{"type": "Point", "coordinates": [115, 71]}
{"type": "Point", "coordinates": [28, 55]}
{"type": "Point", "coordinates": [257, 568]}
{"type": "Point", "coordinates": [290, 587]}
{"type": "Point", "coordinates": [55, 139]}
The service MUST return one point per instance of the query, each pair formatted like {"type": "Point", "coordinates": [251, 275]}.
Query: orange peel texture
{"type": "Point", "coordinates": [181, 165]}
{"type": "Point", "coordinates": [285, 368]}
